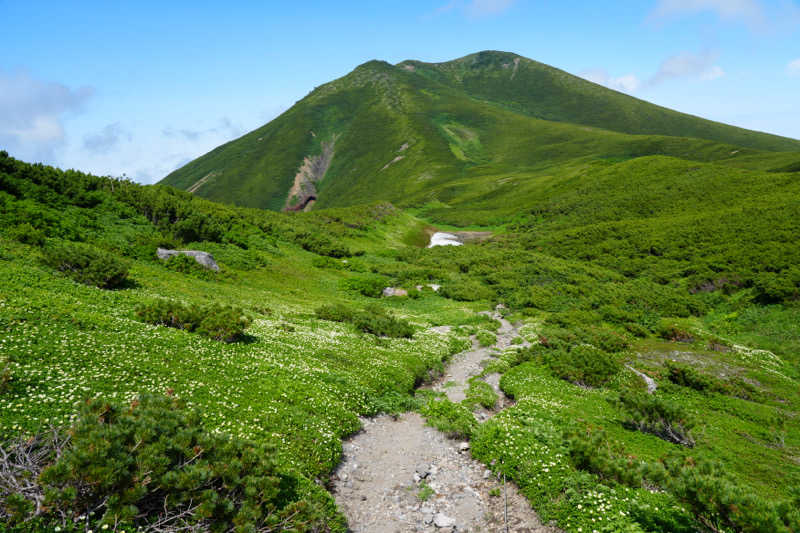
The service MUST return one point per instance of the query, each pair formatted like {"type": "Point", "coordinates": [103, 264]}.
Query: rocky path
{"type": "Point", "coordinates": [399, 475]}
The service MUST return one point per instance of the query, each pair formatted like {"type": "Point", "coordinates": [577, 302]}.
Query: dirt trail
{"type": "Point", "coordinates": [386, 467]}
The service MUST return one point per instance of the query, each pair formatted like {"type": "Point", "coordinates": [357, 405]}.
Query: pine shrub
{"type": "Point", "coordinates": [218, 322]}
{"type": "Point", "coordinates": [151, 462]}
{"type": "Point", "coordinates": [583, 365]}
{"type": "Point", "coordinates": [88, 265]}
{"type": "Point", "coordinates": [658, 416]}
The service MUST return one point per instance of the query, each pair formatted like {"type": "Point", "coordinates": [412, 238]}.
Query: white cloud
{"type": "Point", "coordinates": [750, 11]}
{"type": "Point", "coordinates": [225, 128]}
{"type": "Point", "coordinates": [793, 68]}
{"type": "Point", "coordinates": [106, 139]}
{"type": "Point", "coordinates": [687, 65]}
{"type": "Point", "coordinates": [32, 113]}
{"type": "Point", "coordinates": [713, 73]}
{"type": "Point", "coordinates": [628, 83]}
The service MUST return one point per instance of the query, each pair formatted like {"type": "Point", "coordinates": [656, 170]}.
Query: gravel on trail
{"type": "Point", "coordinates": [400, 475]}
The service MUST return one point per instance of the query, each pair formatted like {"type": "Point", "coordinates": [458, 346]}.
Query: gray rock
{"type": "Point", "coordinates": [442, 520]}
{"type": "Point", "coordinates": [205, 259]}
{"type": "Point", "coordinates": [464, 446]}
{"type": "Point", "coordinates": [427, 518]}
{"type": "Point", "coordinates": [394, 291]}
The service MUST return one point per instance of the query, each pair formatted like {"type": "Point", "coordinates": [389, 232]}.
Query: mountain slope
{"type": "Point", "coordinates": [418, 133]}
{"type": "Point", "coordinates": [541, 91]}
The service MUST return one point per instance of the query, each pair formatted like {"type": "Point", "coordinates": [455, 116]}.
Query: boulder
{"type": "Point", "coordinates": [394, 291]}
{"type": "Point", "coordinates": [205, 259]}
{"type": "Point", "coordinates": [442, 520]}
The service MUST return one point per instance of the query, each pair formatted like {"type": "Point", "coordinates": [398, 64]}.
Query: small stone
{"type": "Point", "coordinates": [442, 520]}
{"type": "Point", "coordinates": [427, 518]}
{"type": "Point", "coordinates": [487, 474]}
{"type": "Point", "coordinates": [417, 478]}
{"type": "Point", "coordinates": [363, 498]}
{"type": "Point", "coordinates": [423, 471]}
{"type": "Point", "coordinates": [464, 446]}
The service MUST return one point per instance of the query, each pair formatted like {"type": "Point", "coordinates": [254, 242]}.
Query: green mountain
{"type": "Point", "coordinates": [650, 282]}
{"type": "Point", "coordinates": [475, 130]}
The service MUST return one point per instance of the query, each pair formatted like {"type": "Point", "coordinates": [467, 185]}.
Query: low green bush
{"type": "Point", "coordinates": [480, 393]}
{"type": "Point", "coordinates": [486, 338]}
{"type": "Point", "coordinates": [218, 322]}
{"type": "Point", "coordinates": [372, 319]}
{"type": "Point", "coordinates": [27, 234]}
{"type": "Point", "coordinates": [658, 416]}
{"type": "Point", "coordinates": [719, 502]}
{"type": "Point", "coordinates": [453, 419]}
{"type": "Point", "coordinates": [370, 286]}
{"type": "Point", "coordinates": [5, 372]}
{"type": "Point", "coordinates": [592, 451]}
{"type": "Point", "coordinates": [88, 265]}
{"type": "Point", "coordinates": [582, 365]}
{"type": "Point", "coordinates": [465, 290]}
{"type": "Point", "coordinates": [147, 462]}
{"type": "Point", "coordinates": [686, 376]}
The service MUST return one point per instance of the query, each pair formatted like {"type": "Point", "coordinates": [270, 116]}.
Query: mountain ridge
{"type": "Point", "coordinates": [462, 129]}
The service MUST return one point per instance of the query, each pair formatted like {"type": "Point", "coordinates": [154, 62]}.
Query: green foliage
{"type": "Point", "coordinates": [373, 319]}
{"type": "Point", "coordinates": [371, 286]}
{"type": "Point", "coordinates": [88, 265]}
{"type": "Point", "coordinates": [465, 290]}
{"type": "Point", "coordinates": [486, 338]}
{"type": "Point", "coordinates": [27, 234]}
{"type": "Point", "coordinates": [720, 502]}
{"type": "Point", "coordinates": [6, 374]}
{"type": "Point", "coordinates": [661, 417]}
{"type": "Point", "coordinates": [687, 376]}
{"type": "Point", "coordinates": [582, 364]}
{"type": "Point", "coordinates": [425, 492]}
{"type": "Point", "coordinates": [153, 460]}
{"type": "Point", "coordinates": [591, 450]}
{"type": "Point", "coordinates": [480, 393]}
{"type": "Point", "coordinates": [454, 419]}
{"type": "Point", "coordinates": [218, 322]}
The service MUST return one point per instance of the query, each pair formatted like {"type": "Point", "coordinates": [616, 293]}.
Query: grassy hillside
{"type": "Point", "coordinates": [417, 133]}
{"type": "Point", "coordinates": [541, 91]}
{"type": "Point", "coordinates": [614, 267]}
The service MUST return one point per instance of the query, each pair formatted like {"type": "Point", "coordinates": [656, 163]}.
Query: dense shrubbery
{"type": "Point", "coordinates": [591, 450]}
{"type": "Point", "coordinates": [658, 416]}
{"type": "Point", "coordinates": [720, 503]}
{"type": "Point", "coordinates": [150, 462]}
{"type": "Point", "coordinates": [373, 319]}
{"type": "Point", "coordinates": [582, 364]}
{"type": "Point", "coordinates": [27, 234]}
{"type": "Point", "coordinates": [218, 322]}
{"type": "Point", "coordinates": [371, 286]}
{"type": "Point", "coordinates": [87, 265]}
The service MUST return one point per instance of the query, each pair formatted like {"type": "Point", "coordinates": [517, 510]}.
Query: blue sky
{"type": "Point", "coordinates": [142, 87]}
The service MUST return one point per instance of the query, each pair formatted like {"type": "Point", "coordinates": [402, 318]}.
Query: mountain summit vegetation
{"type": "Point", "coordinates": [486, 132]}
{"type": "Point", "coordinates": [648, 259]}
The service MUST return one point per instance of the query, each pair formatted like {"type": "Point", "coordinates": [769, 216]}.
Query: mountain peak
{"type": "Point", "coordinates": [417, 132]}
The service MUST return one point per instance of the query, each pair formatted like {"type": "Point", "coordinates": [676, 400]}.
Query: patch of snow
{"type": "Point", "coordinates": [444, 239]}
